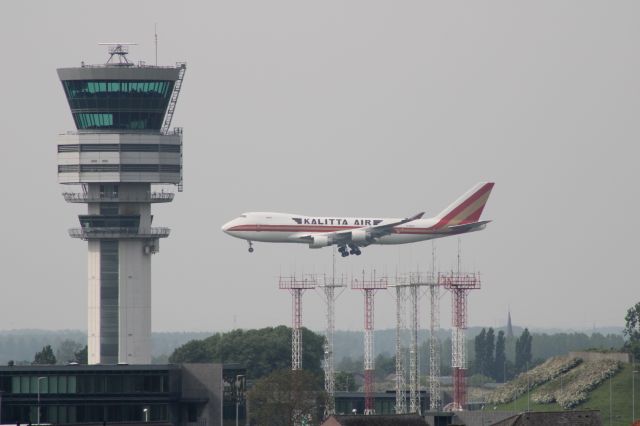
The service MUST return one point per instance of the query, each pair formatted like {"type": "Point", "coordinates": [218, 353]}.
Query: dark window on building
{"type": "Point", "coordinates": [98, 168]}
{"type": "Point", "coordinates": [170, 148]}
{"type": "Point", "coordinates": [68, 148]}
{"type": "Point", "coordinates": [192, 413]}
{"type": "Point", "coordinates": [170, 168]}
{"type": "Point", "coordinates": [109, 302]}
{"type": "Point", "coordinates": [139, 167]}
{"type": "Point", "coordinates": [131, 105]}
{"type": "Point", "coordinates": [100, 147]}
{"type": "Point", "coordinates": [68, 168]}
{"type": "Point", "coordinates": [133, 147]}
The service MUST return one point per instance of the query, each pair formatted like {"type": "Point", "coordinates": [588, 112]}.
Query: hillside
{"type": "Point", "coordinates": [564, 380]}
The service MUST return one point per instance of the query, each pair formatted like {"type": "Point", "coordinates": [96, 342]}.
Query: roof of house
{"type": "Point", "coordinates": [581, 418]}
{"type": "Point", "coordinates": [375, 420]}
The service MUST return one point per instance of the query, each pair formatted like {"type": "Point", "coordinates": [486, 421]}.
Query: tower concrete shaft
{"type": "Point", "coordinates": [369, 288]}
{"type": "Point", "coordinates": [296, 287]}
{"type": "Point", "coordinates": [459, 284]}
{"type": "Point", "coordinates": [116, 154]}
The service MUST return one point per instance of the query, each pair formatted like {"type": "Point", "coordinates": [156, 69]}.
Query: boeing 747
{"type": "Point", "coordinates": [350, 234]}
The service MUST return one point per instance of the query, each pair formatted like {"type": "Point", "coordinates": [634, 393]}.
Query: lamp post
{"type": "Point", "coordinates": [239, 378]}
{"type": "Point", "coordinates": [145, 410]}
{"type": "Point", "coordinates": [633, 394]}
{"type": "Point", "coordinates": [39, 380]}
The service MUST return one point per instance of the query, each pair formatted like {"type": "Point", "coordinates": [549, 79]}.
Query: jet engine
{"type": "Point", "coordinates": [360, 236]}
{"type": "Point", "coordinates": [320, 241]}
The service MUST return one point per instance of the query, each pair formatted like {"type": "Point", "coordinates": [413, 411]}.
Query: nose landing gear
{"type": "Point", "coordinates": [250, 246]}
{"type": "Point", "coordinates": [343, 251]}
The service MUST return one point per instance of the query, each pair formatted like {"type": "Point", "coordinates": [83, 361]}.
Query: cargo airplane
{"type": "Point", "coordinates": [351, 233]}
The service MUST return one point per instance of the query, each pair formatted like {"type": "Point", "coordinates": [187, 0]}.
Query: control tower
{"type": "Point", "coordinates": [121, 148]}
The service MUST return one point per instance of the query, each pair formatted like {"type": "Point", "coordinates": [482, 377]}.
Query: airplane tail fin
{"type": "Point", "coordinates": [467, 208]}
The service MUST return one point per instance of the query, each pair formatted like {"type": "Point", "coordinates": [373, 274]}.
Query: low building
{"type": "Point", "coordinates": [181, 394]}
{"type": "Point", "coordinates": [376, 420]}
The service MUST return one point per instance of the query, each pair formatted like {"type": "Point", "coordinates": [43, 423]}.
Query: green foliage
{"type": "Point", "coordinates": [66, 351]}
{"type": "Point", "coordinates": [523, 350]}
{"type": "Point", "coordinates": [345, 381]}
{"type": "Point", "coordinates": [44, 357]}
{"type": "Point", "coordinates": [260, 351]}
{"type": "Point", "coordinates": [632, 330]}
{"type": "Point", "coordinates": [385, 365]}
{"type": "Point", "coordinates": [500, 359]}
{"type": "Point", "coordinates": [82, 356]}
{"type": "Point", "coordinates": [479, 347]}
{"type": "Point", "coordinates": [286, 398]}
{"type": "Point", "coordinates": [479, 380]}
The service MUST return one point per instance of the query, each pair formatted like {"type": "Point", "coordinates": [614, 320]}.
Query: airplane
{"type": "Point", "coordinates": [350, 234]}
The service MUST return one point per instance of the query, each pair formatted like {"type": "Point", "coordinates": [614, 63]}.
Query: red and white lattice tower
{"type": "Point", "coordinates": [459, 284]}
{"type": "Point", "coordinates": [369, 288]}
{"type": "Point", "coordinates": [296, 287]}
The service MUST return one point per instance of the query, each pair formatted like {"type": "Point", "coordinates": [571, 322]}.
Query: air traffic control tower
{"type": "Point", "coordinates": [121, 149]}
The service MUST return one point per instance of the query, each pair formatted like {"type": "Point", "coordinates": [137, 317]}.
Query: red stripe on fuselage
{"type": "Point", "coordinates": [320, 229]}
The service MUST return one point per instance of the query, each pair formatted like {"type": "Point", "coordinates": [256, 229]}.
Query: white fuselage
{"type": "Point", "coordinates": [289, 228]}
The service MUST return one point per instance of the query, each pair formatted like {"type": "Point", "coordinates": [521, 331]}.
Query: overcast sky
{"type": "Point", "coordinates": [345, 108]}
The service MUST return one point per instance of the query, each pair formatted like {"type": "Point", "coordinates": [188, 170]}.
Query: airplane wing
{"type": "Point", "coordinates": [360, 236]}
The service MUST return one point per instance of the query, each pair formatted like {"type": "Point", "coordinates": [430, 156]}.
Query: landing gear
{"type": "Point", "coordinates": [250, 246]}
{"type": "Point", "coordinates": [352, 249]}
{"type": "Point", "coordinates": [355, 249]}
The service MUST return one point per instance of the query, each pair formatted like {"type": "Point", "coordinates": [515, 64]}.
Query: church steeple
{"type": "Point", "coordinates": [509, 327]}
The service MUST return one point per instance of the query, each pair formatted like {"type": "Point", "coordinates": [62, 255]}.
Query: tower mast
{"type": "Point", "coordinates": [296, 287]}
{"type": "Point", "coordinates": [369, 288]}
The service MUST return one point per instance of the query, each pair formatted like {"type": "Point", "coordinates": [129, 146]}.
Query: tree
{"type": "Point", "coordinates": [523, 350]}
{"type": "Point", "coordinates": [261, 351]}
{"type": "Point", "coordinates": [66, 351]}
{"type": "Point", "coordinates": [286, 398]}
{"type": "Point", "coordinates": [500, 360]}
{"type": "Point", "coordinates": [489, 348]}
{"type": "Point", "coordinates": [44, 357]}
{"type": "Point", "coordinates": [345, 381]}
{"type": "Point", "coordinates": [632, 330]}
{"type": "Point", "coordinates": [82, 356]}
{"type": "Point", "coordinates": [479, 346]}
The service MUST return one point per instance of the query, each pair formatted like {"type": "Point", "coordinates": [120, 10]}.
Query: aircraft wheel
{"type": "Point", "coordinates": [250, 249]}
{"type": "Point", "coordinates": [344, 254]}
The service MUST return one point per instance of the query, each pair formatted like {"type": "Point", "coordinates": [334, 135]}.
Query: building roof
{"type": "Point", "coordinates": [577, 418]}
{"type": "Point", "coordinates": [374, 420]}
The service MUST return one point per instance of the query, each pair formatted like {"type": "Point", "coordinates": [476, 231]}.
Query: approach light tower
{"type": "Point", "coordinates": [296, 287]}
{"type": "Point", "coordinates": [121, 148]}
{"type": "Point", "coordinates": [369, 288]}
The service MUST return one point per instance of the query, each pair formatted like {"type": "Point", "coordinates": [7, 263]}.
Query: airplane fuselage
{"type": "Point", "coordinates": [288, 228]}
{"type": "Point", "coordinates": [352, 233]}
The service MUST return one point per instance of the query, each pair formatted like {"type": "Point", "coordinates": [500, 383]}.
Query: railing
{"type": "Point", "coordinates": [115, 232]}
{"type": "Point", "coordinates": [174, 132]}
{"type": "Point", "coordinates": [149, 197]}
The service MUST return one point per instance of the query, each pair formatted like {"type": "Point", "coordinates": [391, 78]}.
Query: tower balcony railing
{"type": "Point", "coordinates": [115, 197]}
{"type": "Point", "coordinates": [90, 233]}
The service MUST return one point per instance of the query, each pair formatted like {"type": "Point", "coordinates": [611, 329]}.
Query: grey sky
{"type": "Point", "coordinates": [345, 108]}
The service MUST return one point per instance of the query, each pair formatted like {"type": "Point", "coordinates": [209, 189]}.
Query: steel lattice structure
{"type": "Point", "coordinates": [401, 405]}
{"type": "Point", "coordinates": [369, 288]}
{"type": "Point", "coordinates": [459, 284]}
{"type": "Point", "coordinates": [329, 289]}
{"type": "Point", "coordinates": [435, 397]}
{"type": "Point", "coordinates": [296, 287]}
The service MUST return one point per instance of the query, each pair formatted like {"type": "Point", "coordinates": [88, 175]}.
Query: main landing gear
{"type": "Point", "coordinates": [250, 246]}
{"type": "Point", "coordinates": [353, 249]}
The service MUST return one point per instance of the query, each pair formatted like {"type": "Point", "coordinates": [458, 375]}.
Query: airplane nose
{"type": "Point", "coordinates": [225, 227]}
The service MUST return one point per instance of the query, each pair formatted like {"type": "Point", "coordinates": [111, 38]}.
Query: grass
{"type": "Point", "coordinates": [621, 404]}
